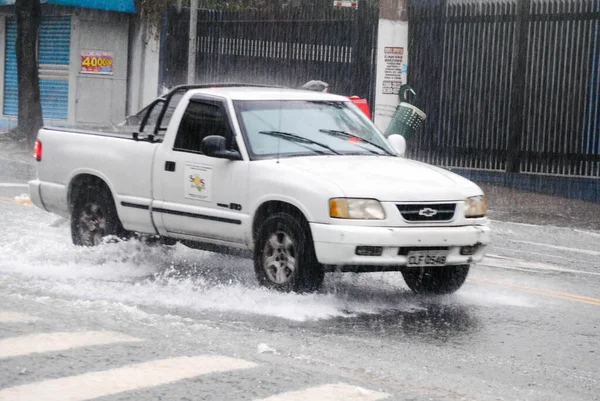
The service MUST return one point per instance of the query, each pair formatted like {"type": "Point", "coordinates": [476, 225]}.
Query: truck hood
{"type": "Point", "coordinates": [386, 178]}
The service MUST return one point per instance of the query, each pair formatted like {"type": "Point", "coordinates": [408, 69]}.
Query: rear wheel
{"type": "Point", "coordinates": [436, 280]}
{"type": "Point", "coordinates": [95, 217]}
{"type": "Point", "coordinates": [284, 255]}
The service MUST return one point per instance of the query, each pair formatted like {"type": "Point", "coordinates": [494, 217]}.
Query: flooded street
{"type": "Point", "coordinates": [525, 325]}
{"type": "Point", "coordinates": [188, 188]}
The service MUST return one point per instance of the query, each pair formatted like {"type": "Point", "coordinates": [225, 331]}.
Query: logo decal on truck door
{"type": "Point", "coordinates": [198, 182]}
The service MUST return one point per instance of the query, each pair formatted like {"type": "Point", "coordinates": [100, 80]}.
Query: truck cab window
{"type": "Point", "coordinates": [199, 121]}
{"type": "Point", "coordinates": [153, 114]}
{"type": "Point", "coordinates": [170, 109]}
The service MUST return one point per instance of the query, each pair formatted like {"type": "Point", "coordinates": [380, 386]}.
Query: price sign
{"type": "Point", "coordinates": [93, 62]}
{"type": "Point", "coordinates": [346, 3]}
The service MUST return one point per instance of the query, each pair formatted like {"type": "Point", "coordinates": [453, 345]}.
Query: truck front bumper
{"type": "Point", "coordinates": [337, 244]}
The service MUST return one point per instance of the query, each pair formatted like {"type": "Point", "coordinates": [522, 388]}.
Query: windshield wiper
{"type": "Point", "coordinates": [296, 138]}
{"type": "Point", "coordinates": [334, 103]}
{"type": "Point", "coordinates": [345, 134]}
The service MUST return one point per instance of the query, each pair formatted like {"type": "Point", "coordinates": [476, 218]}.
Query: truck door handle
{"type": "Point", "coordinates": [169, 166]}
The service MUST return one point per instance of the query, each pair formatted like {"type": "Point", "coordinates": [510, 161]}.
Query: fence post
{"type": "Point", "coordinates": [519, 66]}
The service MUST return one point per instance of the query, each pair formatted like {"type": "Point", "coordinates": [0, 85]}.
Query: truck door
{"type": "Point", "coordinates": [196, 195]}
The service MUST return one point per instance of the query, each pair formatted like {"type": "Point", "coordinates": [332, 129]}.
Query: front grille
{"type": "Point", "coordinates": [427, 211]}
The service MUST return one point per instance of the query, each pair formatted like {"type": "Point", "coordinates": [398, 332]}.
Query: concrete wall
{"type": "Point", "coordinates": [96, 99]}
{"type": "Point", "coordinates": [144, 53]}
{"type": "Point", "coordinates": [392, 59]}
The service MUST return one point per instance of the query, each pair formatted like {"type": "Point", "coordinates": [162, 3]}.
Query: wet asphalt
{"type": "Point", "coordinates": [526, 325]}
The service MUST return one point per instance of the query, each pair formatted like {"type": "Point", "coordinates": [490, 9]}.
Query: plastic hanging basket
{"type": "Point", "coordinates": [407, 120]}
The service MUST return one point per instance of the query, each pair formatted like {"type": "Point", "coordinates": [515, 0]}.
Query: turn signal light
{"type": "Point", "coordinates": [37, 150]}
{"type": "Point", "coordinates": [338, 208]}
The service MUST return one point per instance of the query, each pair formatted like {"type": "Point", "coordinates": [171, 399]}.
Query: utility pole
{"type": "Point", "coordinates": [192, 42]}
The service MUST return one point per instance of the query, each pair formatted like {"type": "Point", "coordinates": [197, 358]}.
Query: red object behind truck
{"type": "Point", "coordinates": [362, 104]}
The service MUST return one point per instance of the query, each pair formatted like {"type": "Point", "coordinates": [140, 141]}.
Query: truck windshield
{"type": "Point", "coordinates": [315, 121]}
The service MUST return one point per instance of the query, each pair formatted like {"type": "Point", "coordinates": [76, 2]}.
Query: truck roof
{"type": "Point", "coordinates": [267, 93]}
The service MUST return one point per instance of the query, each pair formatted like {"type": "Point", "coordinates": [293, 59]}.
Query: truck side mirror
{"type": "Point", "coordinates": [215, 146]}
{"type": "Point", "coordinates": [398, 143]}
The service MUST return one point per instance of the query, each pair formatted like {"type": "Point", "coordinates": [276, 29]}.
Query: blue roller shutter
{"type": "Point", "coordinates": [54, 47]}
{"type": "Point", "coordinates": [53, 55]}
{"type": "Point", "coordinates": [10, 69]}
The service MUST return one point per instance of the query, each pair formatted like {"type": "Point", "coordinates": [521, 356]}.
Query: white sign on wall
{"type": "Point", "coordinates": [392, 65]}
{"type": "Point", "coordinates": [392, 78]}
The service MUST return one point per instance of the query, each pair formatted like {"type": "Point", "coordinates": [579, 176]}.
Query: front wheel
{"type": "Point", "coordinates": [284, 255]}
{"type": "Point", "coordinates": [436, 280]}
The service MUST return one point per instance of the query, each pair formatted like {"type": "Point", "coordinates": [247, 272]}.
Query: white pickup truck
{"type": "Point", "coordinates": [301, 179]}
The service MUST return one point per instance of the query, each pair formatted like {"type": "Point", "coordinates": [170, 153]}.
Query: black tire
{"type": "Point", "coordinates": [94, 217]}
{"type": "Point", "coordinates": [436, 280]}
{"type": "Point", "coordinates": [281, 238]}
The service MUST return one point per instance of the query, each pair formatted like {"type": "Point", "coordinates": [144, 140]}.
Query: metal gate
{"type": "Point", "coordinates": [54, 48]}
{"type": "Point", "coordinates": [53, 56]}
{"type": "Point", "coordinates": [288, 48]}
{"type": "Point", "coordinates": [508, 85]}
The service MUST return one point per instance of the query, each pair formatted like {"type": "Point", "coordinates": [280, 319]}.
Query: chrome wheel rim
{"type": "Point", "coordinates": [279, 258]}
{"type": "Point", "coordinates": [92, 225]}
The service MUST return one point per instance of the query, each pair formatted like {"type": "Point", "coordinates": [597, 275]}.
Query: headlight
{"type": "Point", "coordinates": [475, 206]}
{"type": "Point", "coordinates": [364, 209]}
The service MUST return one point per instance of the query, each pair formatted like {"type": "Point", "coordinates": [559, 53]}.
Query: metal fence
{"type": "Point", "coordinates": [284, 47]}
{"type": "Point", "coordinates": [508, 85]}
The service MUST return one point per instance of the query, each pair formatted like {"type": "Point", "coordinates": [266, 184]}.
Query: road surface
{"type": "Point", "coordinates": [127, 322]}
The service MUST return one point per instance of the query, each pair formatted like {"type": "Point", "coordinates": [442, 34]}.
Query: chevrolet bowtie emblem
{"type": "Point", "coordinates": [428, 212]}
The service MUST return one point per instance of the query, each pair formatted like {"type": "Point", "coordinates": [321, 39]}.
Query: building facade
{"type": "Point", "coordinates": [95, 62]}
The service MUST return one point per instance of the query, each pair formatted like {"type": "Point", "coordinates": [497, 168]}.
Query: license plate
{"type": "Point", "coordinates": [426, 258]}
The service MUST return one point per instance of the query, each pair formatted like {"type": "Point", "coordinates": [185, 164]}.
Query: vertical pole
{"type": "Point", "coordinates": [163, 54]}
{"type": "Point", "coordinates": [191, 78]}
{"type": "Point", "coordinates": [373, 18]}
{"type": "Point", "coordinates": [519, 66]}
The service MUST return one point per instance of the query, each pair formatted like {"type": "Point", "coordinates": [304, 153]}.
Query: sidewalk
{"type": "Point", "coordinates": [16, 160]}
{"type": "Point", "coordinates": [15, 151]}
{"type": "Point", "coordinates": [509, 204]}
{"type": "Point", "coordinates": [504, 204]}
